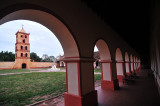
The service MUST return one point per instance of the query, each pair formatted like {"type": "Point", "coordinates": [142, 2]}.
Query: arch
{"type": "Point", "coordinates": [24, 66]}
{"type": "Point", "coordinates": [25, 47]}
{"type": "Point", "coordinates": [119, 64]}
{"type": "Point", "coordinates": [103, 50]}
{"type": "Point", "coordinates": [106, 66]}
{"type": "Point", "coordinates": [23, 40]}
{"type": "Point", "coordinates": [127, 64]}
{"type": "Point", "coordinates": [126, 57]}
{"type": "Point", "coordinates": [61, 31]}
{"type": "Point", "coordinates": [21, 54]}
{"type": "Point", "coordinates": [21, 47]}
{"type": "Point", "coordinates": [118, 55]}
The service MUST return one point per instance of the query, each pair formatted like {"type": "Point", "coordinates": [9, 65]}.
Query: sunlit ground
{"type": "Point", "coordinates": [27, 88]}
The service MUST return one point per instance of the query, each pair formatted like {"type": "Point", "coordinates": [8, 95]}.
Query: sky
{"type": "Point", "coordinates": [42, 40]}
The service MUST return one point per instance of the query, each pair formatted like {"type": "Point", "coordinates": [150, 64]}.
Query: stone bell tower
{"type": "Point", "coordinates": [22, 50]}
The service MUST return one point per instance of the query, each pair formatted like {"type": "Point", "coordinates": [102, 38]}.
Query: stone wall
{"type": "Point", "coordinates": [41, 64]}
{"type": "Point", "coordinates": [6, 65]}
{"type": "Point", "coordinates": [13, 65]}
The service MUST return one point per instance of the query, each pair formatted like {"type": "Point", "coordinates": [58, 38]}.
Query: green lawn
{"type": "Point", "coordinates": [97, 70]}
{"type": "Point", "coordinates": [23, 70]}
{"type": "Point", "coordinates": [26, 88]}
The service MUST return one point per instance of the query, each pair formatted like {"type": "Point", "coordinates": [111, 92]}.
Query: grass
{"type": "Point", "coordinates": [21, 89]}
{"type": "Point", "coordinates": [24, 70]}
{"type": "Point", "coordinates": [97, 70]}
{"type": "Point", "coordinates": [27, 88]}
{"type": "Point", "coordinates": [97, 77]}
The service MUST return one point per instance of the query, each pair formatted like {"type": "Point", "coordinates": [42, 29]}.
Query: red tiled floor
{"type": "Point", "coordinates": [143, 92]}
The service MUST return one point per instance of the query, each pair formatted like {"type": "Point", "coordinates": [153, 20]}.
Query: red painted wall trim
{"type": "Point", "coordinates": [79, 79]}
{"type": "Point", "coordinates": [102, 70]}
{"type": "Point", "coordinates": [66, 77]}
{"type": "Point", "coordinates": [123, 68]}
{"type": "Point", "coordinates": [111, 72]}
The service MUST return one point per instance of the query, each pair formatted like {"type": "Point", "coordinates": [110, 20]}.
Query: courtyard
{"type": "Point", "coordinates": [20, 87]}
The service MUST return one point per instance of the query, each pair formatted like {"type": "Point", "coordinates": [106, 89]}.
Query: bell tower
{"type": "Point", "coordinates": [22, 50]}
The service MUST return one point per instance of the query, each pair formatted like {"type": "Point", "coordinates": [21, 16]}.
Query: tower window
{"type": "Point", "coordinates": [21, 47]}
{"type": "Point", "coordinates": [25, 36]}
{"type": "Point", "coordinates": [21, 35]}
{"type": "Point", "coordinates": [21, 54]}
{"type": "Point", "coordinates": [26, 47]}
{"type": "Point", "coordinates": [23, 40]}
{"type": "Point", "coordinates": [26, 54]}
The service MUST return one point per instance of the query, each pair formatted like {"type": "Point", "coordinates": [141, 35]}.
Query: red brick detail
{"type": "Point", "coordinates": [89, 99]}
{"type": "Point", "coordinates": [112, 85]}
{"type": "Point", "coordinates": [120, 77]}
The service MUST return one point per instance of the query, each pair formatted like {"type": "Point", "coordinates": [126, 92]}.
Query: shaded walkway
{"type": "Point", "coordinates": [142, 93]}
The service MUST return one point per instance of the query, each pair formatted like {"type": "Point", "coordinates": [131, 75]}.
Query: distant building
{"type": "Point", "coordinates": [61, 63]}
{"type": "Point", "coordinates": [22, 54]}
{"type": "Point", "coordinates": [22, 50]}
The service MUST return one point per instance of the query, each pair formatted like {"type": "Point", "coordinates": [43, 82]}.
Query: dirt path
{"type": "Point", "coordinates": [39, 71]}
{"type": "Point", "coordinates": [33, 72]}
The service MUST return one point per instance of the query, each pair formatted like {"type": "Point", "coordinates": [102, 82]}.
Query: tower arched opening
{"type": "Point", "coordinates": [24, 66]}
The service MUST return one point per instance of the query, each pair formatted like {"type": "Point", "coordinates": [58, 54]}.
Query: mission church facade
{"type": "Point", "coordinates": [22, 54]}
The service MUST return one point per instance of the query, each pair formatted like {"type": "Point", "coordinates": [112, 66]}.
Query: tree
{"type": "Point", "coordinates": [46, 58]}
{"type": "Point", "coordinates": [7, 56]}
{"type": "Point", "coordinates": [35, 57]}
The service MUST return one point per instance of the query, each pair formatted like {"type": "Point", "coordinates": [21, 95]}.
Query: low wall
{"type": "Point", "coordinates": [6, 65]}
{"type": "Point", "coordinates": [41, 64]}
{"type": "Point", "coordinates": [11, 65]}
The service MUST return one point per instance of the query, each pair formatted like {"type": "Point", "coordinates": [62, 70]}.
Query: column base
{"type": "Point", "coordinates": [112, 85]}
{"type": "Point", "coordinates": [128, 73]}
{"type": "Point", "coordinates": [120, 77]}
{"type": "Point", "coordinates": [89, 99]}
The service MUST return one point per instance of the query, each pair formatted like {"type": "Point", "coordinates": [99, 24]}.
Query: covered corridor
{"type": "Point", "coordinates": [79, 29]}
{"type": "Point", "coordinates": [143, 92]}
